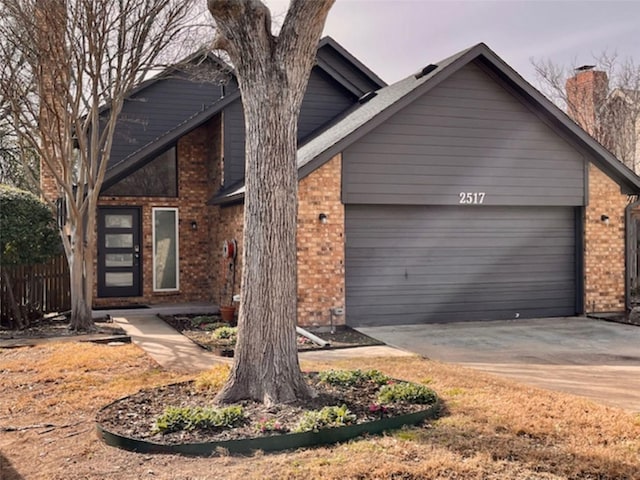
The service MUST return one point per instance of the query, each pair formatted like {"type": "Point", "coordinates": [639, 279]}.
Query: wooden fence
{"type": "Point", "coordinates": [38, 289]}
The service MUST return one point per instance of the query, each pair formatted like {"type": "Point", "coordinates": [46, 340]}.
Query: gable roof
{"type": "Point", "coordinates": [211, 98]}
{"type": "Point", "coordinates": [393, 98]}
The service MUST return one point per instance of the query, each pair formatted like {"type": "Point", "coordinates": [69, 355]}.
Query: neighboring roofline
{"type": "Point", "coordinates": [346, 54]}
{"type": "Point", "coordinates": [606, 160]}
{"type": "Point", "coordinates": [309, 161]}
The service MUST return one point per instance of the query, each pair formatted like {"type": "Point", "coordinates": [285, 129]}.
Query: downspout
{"type": "Point", "coordinates": [628, 250]}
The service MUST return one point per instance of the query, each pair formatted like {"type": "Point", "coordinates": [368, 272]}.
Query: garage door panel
{"type": "Point", "coordinates": [512, 271]}
{"type": "Point", "coordinates": [469, 266]}
{"type": "Point", "coordinates": [488, 309]}
{"type": "Point", "coordinates": [416, 295]}
{"type": "Point", "coordinates": [385, 256]}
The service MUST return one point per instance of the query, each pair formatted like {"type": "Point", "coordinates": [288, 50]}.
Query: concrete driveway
{"type": "Point", "coordinates": [582, 356]}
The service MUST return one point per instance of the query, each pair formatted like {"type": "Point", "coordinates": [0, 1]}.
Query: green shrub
{"type": "Point", "coordinates": [348, 378]}
{"type": "Point", "coordinates": [406, 392]}
{"type": "Point", "coordinates": [225, 333]}
{"type": "Point", "coordinates": [29, 233]}
{"type": "Point", "coordinates": [174, 419]}
{"type": "Point", "coordinates": [328, 417]}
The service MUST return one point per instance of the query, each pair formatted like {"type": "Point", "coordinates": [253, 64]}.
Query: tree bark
{"type": "Point", "coordinates": [17, 323]}
{"type": "Point", "coordinates": [272, 73]}
{"type": "Point", "coordinates": [81, 271]}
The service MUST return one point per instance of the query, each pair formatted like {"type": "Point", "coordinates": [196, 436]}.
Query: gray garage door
{"type": "Point", "coordinates": [416, 264]}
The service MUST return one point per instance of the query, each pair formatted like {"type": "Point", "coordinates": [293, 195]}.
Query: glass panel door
{"type": "Point", "coordinates": [119, 262]}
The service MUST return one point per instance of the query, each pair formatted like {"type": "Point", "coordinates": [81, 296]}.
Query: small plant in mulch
{"type": "Point", "coordinates": [228, 334]}
{"type": "Point", "coordinates": [328, 417]}
{"type": "Point", "coordinates": [347, 378]}
{"type": "Point", "coordinates": [181, 414]}
{"type": "Point", "coordinates": [270, 425]}
{"type": "Point", "coordinates": [406, 392]}
{"type": "Point", "coordinates": [206, 322]}
{"type": "Point", "coordinates": [174, 419]}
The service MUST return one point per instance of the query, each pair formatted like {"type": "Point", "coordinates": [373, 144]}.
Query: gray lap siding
{"type": "Point", "coordinates": [462, 206]}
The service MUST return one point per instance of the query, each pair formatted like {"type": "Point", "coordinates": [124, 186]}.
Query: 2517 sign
{"type": "Point", "coordinates": [471, 198]}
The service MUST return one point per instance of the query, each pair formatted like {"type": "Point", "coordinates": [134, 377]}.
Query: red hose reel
{"type": "Point", "coordinates": [229, 249]}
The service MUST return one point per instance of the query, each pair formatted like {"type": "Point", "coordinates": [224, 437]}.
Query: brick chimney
{"type": "Point", "coordinates": [586, 91]}
{"type": "Point", "coordinates": [52, 79]}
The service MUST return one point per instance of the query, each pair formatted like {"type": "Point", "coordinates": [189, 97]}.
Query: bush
{"type": "Point", "coordinates": [328, 417]}
{"type": "Point", "coordinates": [225, 333]}
{"type": "Point", "coordinates": [29, 233]}
{"type": "Point", "coordinates": [407, 392]}
{"type": "Point", "coordinates": [28, 236]}
{"type": "Point", "coordinates": [174, 419]}
{"type": "Point", "coordinates": [349, 378]}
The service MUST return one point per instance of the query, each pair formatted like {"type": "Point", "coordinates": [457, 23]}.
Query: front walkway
{"type": "Point", "coordinates": [174, 351]}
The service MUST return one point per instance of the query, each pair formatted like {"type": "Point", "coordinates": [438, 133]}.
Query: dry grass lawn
{"type": "Point", "coordinates": [491, 429]}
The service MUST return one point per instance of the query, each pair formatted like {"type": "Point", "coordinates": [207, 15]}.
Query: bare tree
{"type": "Point", "coordinates": [68, 66]}
{"type": "Point", "coordinates": [272, 72]}
{"type": "Point", "coordinates": [603, 98]}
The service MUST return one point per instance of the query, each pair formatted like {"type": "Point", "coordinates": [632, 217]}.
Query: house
{"type": "Point", "coordinates": [458, 193]}
{"type": "Point", "coordinates": [611, 115]}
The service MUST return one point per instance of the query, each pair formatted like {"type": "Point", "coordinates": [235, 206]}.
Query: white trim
{"type": "Point", "coordinates": [153, 245]}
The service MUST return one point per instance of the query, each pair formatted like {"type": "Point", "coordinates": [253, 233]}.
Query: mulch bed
{"type": "Point", "coordinates": [344, 337]}
{"type": "Point", "coordinates": [134, 416]}
{"type": "Point", "coordinates": [58, 327]}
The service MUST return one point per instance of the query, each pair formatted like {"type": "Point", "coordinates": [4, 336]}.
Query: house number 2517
{"type": "Point", "coordinates": [471, 198]}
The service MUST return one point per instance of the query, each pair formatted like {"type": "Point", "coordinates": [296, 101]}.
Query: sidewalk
{"type": "Point", "coordinates": [174, 351]}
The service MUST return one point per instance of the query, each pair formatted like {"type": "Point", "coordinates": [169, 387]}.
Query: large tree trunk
{"type": "Point", "coordinates": [272, 73]}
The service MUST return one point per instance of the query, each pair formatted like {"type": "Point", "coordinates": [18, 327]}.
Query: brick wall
{"type": "Point", "coordinates": [320, 246]}
{"type": "Point", "coordinates": [229, 226]}
{"type": "Point", "coordinates": [604, 257]}
{"type": "Point", "coordinates": [198, 166]}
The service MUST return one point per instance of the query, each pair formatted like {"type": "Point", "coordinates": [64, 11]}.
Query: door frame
{"type": "Point", "coordinates": [136, 289]}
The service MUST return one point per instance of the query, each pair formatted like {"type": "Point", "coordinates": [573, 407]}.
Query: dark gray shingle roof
{"type": "Point", "coordinates": [389, 100]}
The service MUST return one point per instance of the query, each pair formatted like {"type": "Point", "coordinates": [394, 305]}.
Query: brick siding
{"type": "Point", "coordinates": [320, 246]}
{"type": "Point", "coordinates": [199, 165]}
{"type": "Point", "coordinates": [604, 256]}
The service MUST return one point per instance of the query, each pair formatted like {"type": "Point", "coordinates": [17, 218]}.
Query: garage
{"type": "Point", "coordinates": [465, 195]}
{"type": "Point", "coordinates": [431, 264]}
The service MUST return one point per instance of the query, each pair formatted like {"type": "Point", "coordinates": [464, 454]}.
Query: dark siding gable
{"type": "Point", "coordinates": [323, 102]}
{"type": "Point", "coordinates": [157, 109]}
{"type": "Point", "coordinates": [467, 134]}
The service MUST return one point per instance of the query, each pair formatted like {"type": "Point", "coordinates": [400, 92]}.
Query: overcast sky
{"type": "Point", "coordinates": [396, 38]}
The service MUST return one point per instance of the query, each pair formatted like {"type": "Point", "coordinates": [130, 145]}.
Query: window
{"type": "Point", "coordinates": [165, 249]}
{"type": "Point", "coordinates": [157, 178]}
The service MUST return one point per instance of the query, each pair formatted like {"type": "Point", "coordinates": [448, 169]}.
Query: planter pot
{"type": "Point", "coordinates": [228, 313]}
